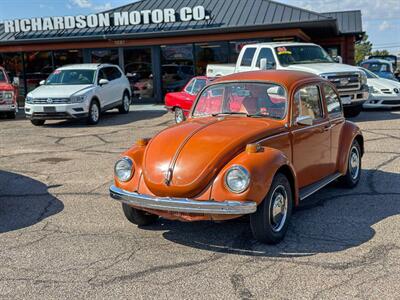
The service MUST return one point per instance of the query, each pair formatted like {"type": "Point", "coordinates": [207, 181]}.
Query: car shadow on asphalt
{"type": "Point", "coordinates": [24, 202]}
{"type": "Point", "coordinates": [334, 219]}
{"type": "Point", "coordinates": [384, 114]}
{"type": "Point", "coordinates": [111, 118]}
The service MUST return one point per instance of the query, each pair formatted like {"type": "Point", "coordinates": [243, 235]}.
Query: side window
{"type": "Point", "coordinates": [189, 88]}
{"type": "Point", "coordinates": [117, 74]}
{"type": "Point", "coordinates": [247, 58]}
{"type": "Point", "coordinates": [267, 53]}
{"type": "Point", "coordinates": [308, 103]}
{"type": "Point", "coordinates": [332, 101]}
{"type": "Point", "coordinates": [112, 73]}
{"type": "Point", "coordinates": [198, 86]}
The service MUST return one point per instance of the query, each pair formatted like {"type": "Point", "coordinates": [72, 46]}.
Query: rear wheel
{"type": "Point", "coordinates": [179, 115]}
{"type": "Point", "coordinates": [38, 122]}
{"type": "Point", "coordinates": [138, 217]}
{"type": "Point", "coordinates": [270, 222]}
{"type": "Point", "coordinates": [352, 177]}
{"type": "Point", "coordinates": [11, 115]}
{"type": "Point", "coordinates": [352, 112]}
{"type": "Point", "coordinates": [94, 113]}
{"type": "Point", "coordinates": [126, 102]}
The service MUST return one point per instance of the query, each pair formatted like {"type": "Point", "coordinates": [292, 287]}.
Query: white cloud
{"type": "Point", "coordinates": [89, 4]}
{"type": "Point", "coordinates": [385, 25]}
{"type": "Point", "coordinates": [82, 3]}
{"type": "Point", "coordinates": [105, 6]}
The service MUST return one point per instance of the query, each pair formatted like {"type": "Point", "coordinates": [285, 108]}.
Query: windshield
{"type": "Point", "coordinates": [369, 74]}
{"type": "Point", "coordinates": [71, 77]}
{"type": "Point", "coordinates": [3, 77]}
{"type": "Point", "coordinates": [249, 99]}
{"type": "Point", "coordinates": [291, 55]}
{"type": "Point", "coordinates": [376, 67]}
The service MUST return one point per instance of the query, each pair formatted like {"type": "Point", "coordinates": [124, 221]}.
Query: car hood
{"type": "Point", "coordinates": [4, 86]}
{"type": "Point", "coordinates": [382, 83]}
{"type": "Point", "coordinates": [58, 91]}
{"type": "Point", "coordinates": [321, 68]}
{"type": "Point", "coordinates": [195, 151]}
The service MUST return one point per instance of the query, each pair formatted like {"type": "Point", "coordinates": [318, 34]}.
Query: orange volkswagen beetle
{"type": "Point", "coordinates": [256, 143]}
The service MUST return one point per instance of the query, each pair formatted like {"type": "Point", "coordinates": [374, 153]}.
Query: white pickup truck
{"type": "Point", "coordinates": [349, 81]}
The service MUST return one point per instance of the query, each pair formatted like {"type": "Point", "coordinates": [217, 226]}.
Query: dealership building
{"type": "Point", "coordinates": [161, 44]}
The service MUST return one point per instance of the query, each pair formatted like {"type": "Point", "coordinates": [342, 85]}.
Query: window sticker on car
{"type": "Point", "coordinates": [283, 51]}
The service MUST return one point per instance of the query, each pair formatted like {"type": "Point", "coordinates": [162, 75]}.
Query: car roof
{"type": "Point", "coordinates": [85, 66]}
{"type": "Point", "coordinates": [282, 44]}
{"type": "Point", "coordinates": [283, 77]}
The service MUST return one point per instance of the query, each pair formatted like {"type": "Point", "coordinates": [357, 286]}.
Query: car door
{"type": "Point", "coordinates": [104, 91]}
{"type": "Point", "coordinates": [337, 120]}
{"type": "Point", "coordinates": [311, 143]}
{"type": "Point", "coordinates": [113, 87]}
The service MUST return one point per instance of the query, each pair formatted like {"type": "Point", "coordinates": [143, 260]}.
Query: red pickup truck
{"type": "Point", "coordinates": [8, 95]}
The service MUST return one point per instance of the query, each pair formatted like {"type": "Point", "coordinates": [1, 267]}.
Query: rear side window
{"type": "Point", "coordinates": [189, 88]}
{"type": "Point", "coordinates": [308, 102]}
{"type": "Point", "coordinates": [112, 73]}
{"type": "Point", "coordinates": [332, 101]}
{"type": "Point", "coordinates": [2, 76]}
{"type": "Point", "coordinates": [266, 53]}
{"type": "Point", "coordinates": [248, 57]}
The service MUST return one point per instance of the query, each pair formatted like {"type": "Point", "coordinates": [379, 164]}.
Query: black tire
{"type": "Point", "coordinates": [179, 115]}
{"type": "Point", "coordinates": [11, 115]}
{"type": "Point", "coordinates": [93, 116]}
{"type": "Point", "coordinates": [353, 174]}
{"type": "Point", "coordinates": [38, 122]}
{"type": "Point", "coordinates": [126, 102]}
{"type": "Point", "coordinates": [352, 112]}
{"type": "Point", "coordinates": [138, 217]}
{"type": "Point", "coordinates": [265, 229]}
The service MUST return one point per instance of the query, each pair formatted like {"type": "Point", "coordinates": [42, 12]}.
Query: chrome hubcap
{"type": "Point", "coordinates": [95, 112]}
{"type": "Point", "coordinates": [354, 163]}
{"type": "Point", "coordinates": [179, 116]}
{"type": "Point", "coordinates": [278, 209]}
{"type": "Point", "coordinates": [126, 102]}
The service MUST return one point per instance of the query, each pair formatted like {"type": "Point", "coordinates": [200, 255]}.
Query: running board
{"type": "Point", "coordinates": [315, 187]}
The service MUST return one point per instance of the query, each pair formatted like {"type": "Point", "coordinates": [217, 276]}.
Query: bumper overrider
{"type": "Point", "coordinates": [182, 205]}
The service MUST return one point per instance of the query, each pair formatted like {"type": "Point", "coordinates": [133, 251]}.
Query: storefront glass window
{"type": "Point", "coordinates": [12, 63]}
{"type": "Point", "coordinates": [67, 57]}
{"type": "Point", "coordinates": [105, 56]}
{"type": "Point", "coordinates": [138, 69]}
{"type": "Point", "coordinates": [38, 66]}
{"type": "Point", "coordinates": [177, 66]}
{"type": "Point", "coordinates": [210, 53]}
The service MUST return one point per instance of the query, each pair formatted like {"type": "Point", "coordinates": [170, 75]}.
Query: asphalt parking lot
{"type": "Point", "coordinates": [61, 236]}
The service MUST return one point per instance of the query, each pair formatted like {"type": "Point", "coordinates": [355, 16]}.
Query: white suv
{"type": "Point", "coordinates": [79, 91]}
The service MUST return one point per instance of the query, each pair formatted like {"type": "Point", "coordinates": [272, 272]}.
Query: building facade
{"type": "Point", "coordinates": [160, 44]}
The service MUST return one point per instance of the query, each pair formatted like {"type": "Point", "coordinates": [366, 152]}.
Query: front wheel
{"type": "Point", "coordinates": [126, 102]}
{"type": "Point", "coordinates": [94, 113]}
{"type": "Point", "coordinates": [353, 174]}
{"type": "Point", "coordinates": [179, 115]}
{"type": "Point", "coordinates": [138, 217]}
{"type": "Point", "coordinates": [270, 222]}
{"type": "Point", "coordinates": [38, 122]}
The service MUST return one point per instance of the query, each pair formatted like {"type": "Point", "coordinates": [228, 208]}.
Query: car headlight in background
{"type": "Point", "coordinates": [78, 99]}
{"type": "Point", "coordinates": [237, 179]}
{"type": "Point", "coordinates": [8, 95]}
{"type": "Point", "coordinates": [29, 99]}
{"type": "Point", "coordinates": [373, 90]}
{"type": "Point", "coordinates": [364, 78]}
{"type": "Point", "coordinates": [123, 169]}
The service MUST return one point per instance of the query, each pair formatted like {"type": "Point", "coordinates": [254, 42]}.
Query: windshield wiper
{"type": "Point", "coordinates": [230, 113]}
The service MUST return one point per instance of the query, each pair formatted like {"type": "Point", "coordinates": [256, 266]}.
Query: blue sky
{"type": "Point", "coordinates": [381, 18]}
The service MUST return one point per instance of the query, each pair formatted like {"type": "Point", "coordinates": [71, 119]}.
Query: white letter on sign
{"type": "Point", "coordinates": [199, 13]}
{"type": "Point", "coordinates": [157, 16]}
{"type": "Point", "coordinates": [169, 15]}
{"type": "Point", "coordinates": [9, 26]}
{"type": "Point", "coordinates": [121, 19]}
{"type": "Point", "coordinates": [135, 18]}
{"type": "Point", "coordinates": [186, 14]}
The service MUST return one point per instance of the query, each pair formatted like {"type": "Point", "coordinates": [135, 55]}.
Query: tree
{"type": "Point", "coordinates": [363, 49]}
{"type": "Point", "coordinates": [380, 53]}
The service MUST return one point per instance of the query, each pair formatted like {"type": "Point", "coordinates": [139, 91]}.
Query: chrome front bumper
{"type": "Point", "coordinates": [183, 205]}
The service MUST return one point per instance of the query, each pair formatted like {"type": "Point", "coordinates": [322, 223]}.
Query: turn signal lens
{"type": "Point", "coordinates": [142, 142]}
{"type": "Point", "coordinates": [253, 148]}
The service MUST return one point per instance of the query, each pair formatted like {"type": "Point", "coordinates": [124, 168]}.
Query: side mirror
{"type": "Point", "coordinates": [42, 82]}
{"type": "Point", "coordinates": [338, 59]}
{"type": "Point", "coordinates": [15, 82]}
{"type": "Point", "coordinates": [304, 120]}
{"type": "Point", "coordinates": [103, 82]}
{"type": "Point", "coordinates": [263, 64]}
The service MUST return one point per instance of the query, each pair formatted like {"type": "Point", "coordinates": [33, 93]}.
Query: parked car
{"type": "Point", "coordinates": [79, 91]}
{"type": "Point", "coordinates": [181, 102]}
{"type": "Point", "coordinates": [256, 143]}
{"type": "Point", "coordinates": [140, 77]}
{"type": "Point", "coordinates": [382, 68]}
{"type": "Point", "coordinates": [350, 82]}
{"type": "Point", "coordinates": [8, 95]}
{"type": "Point", "coordinates": [384, 93]}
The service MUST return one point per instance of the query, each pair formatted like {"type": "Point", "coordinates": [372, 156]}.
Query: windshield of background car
{"type": "Point", "coordinates": [3, 77]}
{"type": "Point", "coordinates": [376, 67]}
{"type": "Point", "coordinates": [71, 77]}
{"type": "Point", "coordinates": [292, 55]}
{"type": "Point", "coordinates": [369, 74]}
{"type": "Point", "coordinates": [252, 99]}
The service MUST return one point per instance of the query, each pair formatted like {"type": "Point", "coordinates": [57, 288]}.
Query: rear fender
{"type": "Point", "coordinates": [350, 132]}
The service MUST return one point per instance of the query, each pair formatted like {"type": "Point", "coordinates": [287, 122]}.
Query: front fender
{"type": "Point", "coordinates": [350, 131]}
{"type": "Point", "coordinates": [262, 167]}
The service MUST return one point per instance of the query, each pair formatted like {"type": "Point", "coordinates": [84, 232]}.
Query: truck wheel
{"type": "Point", "coordinates": [38, 122]}
{"type": "Point", "coordinates": [138, 217]}
{"type": "Point", "coordinates": [94, 113]}
{"type": "Point", "coordinates": [11, 115]}
{"type": "Point", "coordinates": [179, 115]}
{"type": "Point", "coordinates": [126, 102]}
{"type": "Point", "coordinates": [352, 177]}
{"type": "Point", "coordinates": [270, 222]}
{"type": "Point", "coordinates": [352, 112]}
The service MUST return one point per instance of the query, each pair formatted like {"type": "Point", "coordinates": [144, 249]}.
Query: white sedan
{"type": "Point", "coordinates": [384, 93]}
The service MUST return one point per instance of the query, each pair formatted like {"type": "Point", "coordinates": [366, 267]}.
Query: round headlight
{"type": "Point", "coordinates": [124, 169]}
{"type": "Point", "coordinates": [237, 179]}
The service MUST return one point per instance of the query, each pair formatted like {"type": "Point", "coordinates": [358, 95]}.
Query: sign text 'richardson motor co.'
{"type": "Point", "coordinates": [124, 18]}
